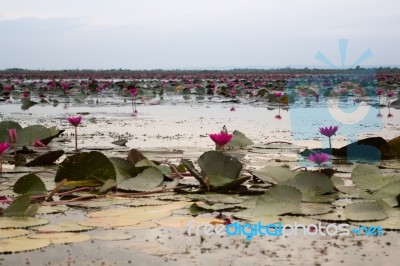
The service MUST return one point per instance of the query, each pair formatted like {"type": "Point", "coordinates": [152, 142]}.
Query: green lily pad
{"type": "Point", "coordinates": [389, 191]}
{"type": "Point", "coordinates": [27, 103]}
{"type": "Point", "coordinates": [28, 135]}
{"type": "Point", "coordinates": [365, 211]}
{"type": "Point", "coordinates": [21, 222]}
{"type": "Point", "coordinates": [145, 163]}
{"type": "Point", "coordinates": [307, 208]}
{"type": "Point", "coordinates": [23, 243]}
{"type": "Point", "coordinates": [18, 207]}
{"type": "Point", "coordinates": [313, 186]}
{"type": "Point", "coordinates": [219, 168]}
{"type": "Point", "coordinates": [148, 180]}
{"type": "Point", "coordinates": [11, 232]}
{"type": "Point", "coordinates": [81, 166]}
{"type": "Point", "coordinates": [336, 216]}
{"type": "Point", "coordinates": [52, 209]}
{"type": "Point", "coordinates": [275, 174]}
{"type": "Point", "coordinates": [369, 177]}
{"type": "Point", "coordinates": [278, 200]}
{"type": "Point", "coordinates": [124, 169]}
{"type": "Point", "coordinates": [192, 170]}
{"type": "Point", "coordinates": [62, 238]}
{"type": "Point", "coordinates": [30, 184]}
{"type": "Point", "coordinates": [391, 223]}
{"type": "Point", "coordinates": [48, 158]}
{"type": "Point", "coordinates": [239, 141]}
{"type": "Point", "coordinates": [5, 126]}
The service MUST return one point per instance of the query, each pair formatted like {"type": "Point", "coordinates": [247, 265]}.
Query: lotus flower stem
{"type": "Point", "coordinates": [15, 149]}
{"type": "Point", "coordinates": [75, 121]}
{"type": "Point", "coordinates": [76, 138]}
{"type": "Point", "coordinates": [1, 164]}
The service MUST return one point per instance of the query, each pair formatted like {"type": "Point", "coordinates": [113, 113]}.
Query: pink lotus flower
{"type": "Point", "coordinates": [319, 158]}
{"type": "Point", "coordinates": [328, 131]}
{"type": "Point", "coordinates": [221, 139]}
{"type": "Point", "coordinates": [233, 109]}
{"type": "Point", "coordinates": [12, 132]}
{"type": "Point", "coordinates": [279, 117]}
{"type": "Point", "coordinates": [64, 86]}
{"type": "Point", "coordinates": [379, 91]}
{"type": "Point", "coordinates": [278, 94]}
{"type": "Point", "coordinates": [3, 147]}
{"type": "Point", "coordinates": [134, 92]}
{"type": "Point", "coordinates": [389, 94]}
{"type": "Point", "coordinates": [74, 120]}
{"type": "Point", "coordinates": [39, 144]}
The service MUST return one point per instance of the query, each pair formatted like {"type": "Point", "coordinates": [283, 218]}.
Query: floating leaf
{"type": "Point", "coordinates": [28, 135]}
{"type": "Point", "coordinates": [9, 233]}
{"type": "Point", "coordinates": [277, 200]}
{"type": "Point", "coordinates": [18, 206]}
{"type": "Point", "coordinates": [130, 216]}
{"type": "Point", "coordinates": [5, 126]}
{"type": "Point", "coordinates": [124, 169]}
{"type": "Point", "coordinates": [99, 203]}
{"type": "Point", "coordinates": [145, 163]}
{"type": "Point", "coordinates": [219, 168]}
{"type": "Point", "coordinates": [120, 142]}
{"type": "Point", "coordinates": [307, 208]}
{"type": "Point", "coordinates": [52, 209]}
{"type": "Point", "coordinates": [30, 184]}
{"type": "Point", "coordinates": [192, 170]}
{"type": "Point", "coordinates": [21, 222]}
{"type": "Point", "coordinates": [313, 186]}
{"type": "Point", "coordinates": [389, 191]}
{"type": "Point", "coordinates": [148, 180]}
{"type": "Point", "coordinates": [62, 238]}
{"type": "Point", "coordinates": [336, 216]}
{"type": "Point", "coordinates": [81, 166]}
{"type": "Point", "coordinates": [62, 227]}
{"type": "Point", "coordinates": [20, 244]}
{"type": "Point", "coordinates": [365, 211]}
{"type": "Point", "coordinates": [27, 103]}
{"type": "Point", "coordinates": [369, 177]}
{"type": "Point", "coordinates": [135, 156]}
{"type": "Point", "coordinates": [200, 207]}
{"type": "Point", "coordinates": [239, 140]}
{"type": "Point", "coordinates": [46, 159]}
{"type": "Point", "coordinates": [274, 174]}
{"type": "Point", "coordinates": [391, 223]}
{"type": "Point", "coordinates": [107, 186]}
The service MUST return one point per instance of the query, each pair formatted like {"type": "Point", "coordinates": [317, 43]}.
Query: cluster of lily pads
{"type": "Point", "coordinates": [269, 87]}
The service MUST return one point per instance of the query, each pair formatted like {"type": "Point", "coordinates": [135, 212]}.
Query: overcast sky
{"type": "Point", "coordinates": [169, 34]}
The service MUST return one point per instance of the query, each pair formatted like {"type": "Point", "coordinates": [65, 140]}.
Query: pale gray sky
{"type": "Point", "coordinates": [148, 34]}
